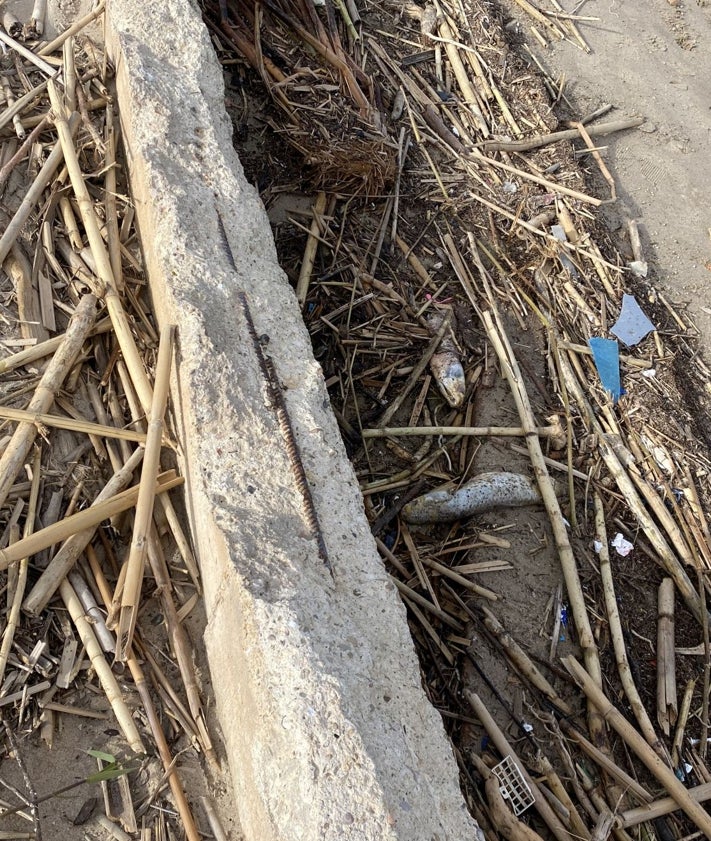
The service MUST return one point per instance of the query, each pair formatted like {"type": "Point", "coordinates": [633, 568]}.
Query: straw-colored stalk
{"type": "Point", "coordinates": [121, 325]}
{"type": "Point", "coordinates": [475, 431]}
{"type": "Point", "coordinates": [681, 722]}
{"type": "Point", "coordinates": [307, 264]}
{"type": "Point", "coordinates": [33, 194]}
{"type": "Point", "coordinates": [19, 105]}
{"type": "Point", "coordinates": [663, 806]}
{"type": "Point", "coordinates": [110, 204]}
{"type": "Point", "coordinates": [505, 749]}
{"type": "Point", "coordinates": [176, 633]}
{"type": "Point", "coordinates": [85, 519]}
{"type": "Point", "coordinates": [462, 77]}
{"type": "Point", "coordinates": [101, 667]}
{"type": "Point", "coordinates": [59, 366]}
{"type": "Point", "coordinates": [20, 272]}
{"type": "Point", "coordinates": [521, 660]}
{"type": "Point", "coordinates": [626, 487]}
{"type": "Point", "coordinates": [70, 74]}
{"type": "Point", "coordinates": [77, 26]}
{"type": "Point", "coordinates": [135, 563]}
{"type": "Point", "coordinates": [32, 354]}
{"type": "Point", "coordinates": [618, 642]}
{"type": "Point", "coordinates": [666, 658]}
{"type": "Point", "coordinates": [86, 427]}
{"type": "Point", "coordinates": [639, 747]}
{"type": "Point", "coordinates": [176, 787]}
{"type": "Point", "coordinates": [28, 54]}
{"type": "Point", "coordinates": [508, 362]}
{"type": "Point", "coordinates": [605, 763]}
{"type": "Point", "coordinates": [19, 591]}
{"type": "Point", "coordinates": [39, 10]}
{"type": "Point", "coordinates": [69, 553]}
{"type": "Point", "coordinates": [577, 825]}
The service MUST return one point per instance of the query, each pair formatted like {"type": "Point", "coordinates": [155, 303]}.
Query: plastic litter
{"type": "Point", "coordinates": [606, 353]}
{"type": "Point", "coordinates": [621, 545]}
{"type": "Point", "coordinates": [632, 325]}
{"type": "Point", "coordinates": [514, 787]}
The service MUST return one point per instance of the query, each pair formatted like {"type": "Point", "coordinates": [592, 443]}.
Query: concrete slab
{"type": "Point", "coordinates": [327, 729]}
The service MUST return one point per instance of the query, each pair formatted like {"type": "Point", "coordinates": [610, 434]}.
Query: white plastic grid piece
{"type": "Point", "coordinates": [513, 785]}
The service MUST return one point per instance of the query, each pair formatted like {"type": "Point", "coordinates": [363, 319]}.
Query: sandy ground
{"type": "Point", "coordinates": [650, 58]}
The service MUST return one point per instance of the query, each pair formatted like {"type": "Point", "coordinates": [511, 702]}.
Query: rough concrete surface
{"type": "Point", "coordinates": [327, 728]}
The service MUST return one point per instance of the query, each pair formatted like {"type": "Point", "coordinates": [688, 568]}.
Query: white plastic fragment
{"type": "Point", "coordinates": [621, 545]}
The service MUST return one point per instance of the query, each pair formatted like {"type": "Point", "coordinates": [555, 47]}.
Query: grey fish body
{"type": "Point", "coordinates": [482, 493]}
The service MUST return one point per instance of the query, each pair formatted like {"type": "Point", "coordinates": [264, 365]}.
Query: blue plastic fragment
{"type": "Point", "coordinates": [606, 353]}
{"type": "Point", "coordinates": [632, 325]}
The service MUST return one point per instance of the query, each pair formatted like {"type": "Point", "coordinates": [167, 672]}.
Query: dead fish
{"type": "Point", "coordinates": [445, 364]}
{"type": "Point", "coordinates": [482, 493]}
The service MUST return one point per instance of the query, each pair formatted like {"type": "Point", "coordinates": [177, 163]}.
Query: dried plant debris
{"type": "Point", "coordinates": [85, 486]}
{"type": "Point", "coordinates": [537, 626]}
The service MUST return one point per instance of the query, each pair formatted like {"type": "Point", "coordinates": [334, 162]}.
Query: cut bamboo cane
{"type": "Point", "coordinates": [618, 642]}
{"type": "Point", "coordinates": [146, 496]}
{"type": "Point", "coordinates": [59, 366]}
{"type": "Point", "coordinates": [462, 77]}
{"type": "Point", "coordinates": [666, 659]}
{"type": "Point", "coordinates": [681, 721]}
{"type": "Point", "coordinates": [68, 554]}
{"type": "Point", "coordinates": [637, 744]}
{"type": "Point", "coordinates": [307, 264]}
{"type": "Point", "coordinates": [102, 668]}
{"type": "Point", "coordinates": [92, 516]}
{"type": "Point", "coordinates": [504, 748]}
{"type": "Point", "coordinates": [121, 325]}
{"type": "Point", "coordinates": [110, 204]}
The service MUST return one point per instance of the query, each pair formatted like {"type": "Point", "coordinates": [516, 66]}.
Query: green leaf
{"type": "Point", "coordinates": [100, 754]}
{"type": "Point", "coordinates": [111, 772]}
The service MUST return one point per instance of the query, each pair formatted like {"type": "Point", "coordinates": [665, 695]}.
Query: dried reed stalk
{"type": "Point", "coordinates": [666, 659]}
{"type": "Point", "coordinates": [618, 642]}
{"type": "Point", "coordinates": [101, 667]}
{"type": "Point", "coordinates": [639, 747]}
{"type": "Point", "coordinates": [33, 194]}
{"type": "Point", "coordinates": [59, 366]}
{"type": "Point", "coordinates": [76, 425]}
{"type": "Point", "coordinates": [663, 806]}
{"type": "Point", "coordinates": [178, 638]}
{"type": "Point", "coordinates": [13, 617]}
{"type": "Point", "coordinates": [19, 270]}
{"type": "Point", "coordinates": [119, 320]}
{"type": "Point", "coordinates": [651, 530]}
{"type": "Point", "coordinates": [476, 431]}
{"type": "Point", "coordinates": [77, 26]}
{"type": "Point", "coordinates": [135, 563]}
{"type": "Point", "coordinates": [307, 264]}
{"type": "Point", "coordinates": [69, 553]}
{"type": "Point", "coordinates": [176, 787]}
{"type": "Point", "coordinates": [32, 354]}
{"type": "Point", "coordinates": [85, 519]}
{"type": "Point", "coordinates": [505, 354]}
{"type": "Point", "coordinates": [501, 743]}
